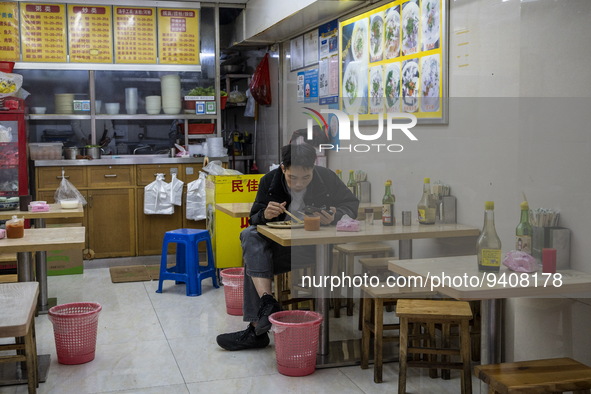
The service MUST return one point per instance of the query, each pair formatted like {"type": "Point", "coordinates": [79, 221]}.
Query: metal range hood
{"type": "Point", "coordinates": [265, 22]}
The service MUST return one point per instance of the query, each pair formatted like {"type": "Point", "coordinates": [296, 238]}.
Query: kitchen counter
{"type": "Point", "coordinates": [127, 159]}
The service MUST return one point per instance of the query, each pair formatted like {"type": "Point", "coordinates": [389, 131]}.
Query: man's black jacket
{"type": "Point", "coordinates": [326, 189]}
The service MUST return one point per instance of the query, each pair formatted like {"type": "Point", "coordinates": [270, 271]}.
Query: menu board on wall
{"type": "Point", "coordinates": [135, 35]}
{"type": "Point", "coordinates": [90, 36]}
{"type": "Point", "coordinates": [9, 38]}
{"type": "Point", "coordinates": [43, 32]}
{"type": "Point", "coordinates": [328, 75]}
{"type": "Point", "coordinates": [392, 60]}
{"type": "Point", "coordinates": [178, 36]}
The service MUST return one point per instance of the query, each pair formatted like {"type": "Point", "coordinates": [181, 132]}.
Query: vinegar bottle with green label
{"type": "Point", "coordinates": [523, 231]}
{"type": "Point", "coordinates": [488, 245]}
{"type": "Point", "coordinates": [388, 218]}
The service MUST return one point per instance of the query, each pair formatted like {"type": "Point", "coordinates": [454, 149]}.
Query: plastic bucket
{"type": "Point", "coordinates": [74, 328]}
{"type": "Point", "coordinates": [296, 341]}
{"type": "Point", "coordinates": [233, 281]}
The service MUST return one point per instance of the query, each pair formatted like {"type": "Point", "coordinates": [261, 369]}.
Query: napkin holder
{"type": "Point", "coordinates": [364, 191]}
{"type": "Point", "coordinates": [552, 237]}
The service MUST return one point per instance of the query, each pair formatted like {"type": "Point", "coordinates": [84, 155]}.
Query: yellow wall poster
{"type": "Point", "coordinates": [135, 35]}
{"type": "Point", "coordinates": [393, 60]}
{"type": "Point", "coordinates": [43, 32]}
{"type": "Point", "coordinates": [9, 38]}
{"type": "Point", "coordinates": [178, 36]}
{"type": "Point", "coordinates": [90, 34]}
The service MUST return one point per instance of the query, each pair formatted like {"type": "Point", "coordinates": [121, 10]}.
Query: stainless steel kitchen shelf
{"type": "Point", "coordinates": [58, 117]}
{"type": "Point", "coordinates": [106, 67]}
{"type": "Point", "coordinates": [156, 117]}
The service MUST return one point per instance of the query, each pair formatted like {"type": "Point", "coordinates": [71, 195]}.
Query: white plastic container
{"type": "Point", "coordinates": [69, 204]}
{"type": "Point", "coordinates": [45, 150]}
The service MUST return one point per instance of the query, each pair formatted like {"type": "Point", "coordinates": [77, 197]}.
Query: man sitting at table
{"type": "Point", "coordinates": [295, 185]}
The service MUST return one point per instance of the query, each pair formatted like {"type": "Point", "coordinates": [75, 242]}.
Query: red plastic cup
{"type": "Point", "coordinates": [549, 260]}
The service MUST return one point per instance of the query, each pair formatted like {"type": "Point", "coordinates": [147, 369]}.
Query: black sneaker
{"type": "Point", "coordinates": [241, 340]}
{"type": "Point", "coordinates": [269, 305]}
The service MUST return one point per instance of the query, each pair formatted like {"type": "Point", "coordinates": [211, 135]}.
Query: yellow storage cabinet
{"type": "Point", "coordinates": [224, 229]}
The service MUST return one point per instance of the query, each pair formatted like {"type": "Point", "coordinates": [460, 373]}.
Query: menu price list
{"type": "Point", "coordinates": [90, 29]}
{"type": "Point", "coordinates": [43, 32]}
{"type": "Point", "coordinates": [135, 35]}
{"type": "Point", "coordinates": [49, 32]}
{"type": "Point", "coordinates": [178, 41]}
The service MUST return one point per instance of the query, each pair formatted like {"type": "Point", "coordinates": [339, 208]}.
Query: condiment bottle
{"type": "Point", "coordinates": [15, 227]}
{"type": "Point", "coordinates": [523, 232]}
{"type": "Point", "coordinates": [427, 207]}
{"type": "Point", "coordinates": [388, 216]}
{"type": "Point", "coordinates": [351, 184]}
{"type": "Point", "coordinates": [488, 245]}
{"type": "Point", "coordinates": [339, 174]}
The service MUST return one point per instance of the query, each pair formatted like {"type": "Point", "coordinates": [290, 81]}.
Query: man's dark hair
{"type": "Point", "coordinates": [303, 155]}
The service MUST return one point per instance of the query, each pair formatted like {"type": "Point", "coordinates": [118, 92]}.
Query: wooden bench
{"type": "Point", "coordinates": [8, 258]}
{"type": "Point", "coordinates": [17, 320]}
{"type": "Point", "coordinates": [555, 375]}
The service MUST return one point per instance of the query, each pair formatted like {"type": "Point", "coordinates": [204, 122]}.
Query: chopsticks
{"type": "Point", "coordinates": [294, 217]}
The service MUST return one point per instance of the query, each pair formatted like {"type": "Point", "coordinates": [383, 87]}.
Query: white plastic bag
{"type": "Point", "coordinates": [10, 84]}
{"type": "Point", "coordinates": [250, 103]}
{"type": "Point", "coordinates": [157, 199]}
{"type": "Point", "coordinates": [67, 191]}
{"type": "Point", "coordinates": [215, 168]}
{"type": "Point", "coordinates": [176, 190]}
{"type": "Point", "coordinates": [196, 198]}
{"type": "Point", "coordinates": [5, 134]}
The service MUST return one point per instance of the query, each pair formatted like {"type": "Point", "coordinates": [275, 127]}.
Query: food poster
{"type": "Point", "coordinates": [328, 70]}
{"type": "Point", "coordinates": [178, 36]}
{"type": "Point", "coordinates": [392, 60]}
{"type": "Point", "coordinates": [43, 32]}
{"type": "Point", "coordinates": [90, 33]}
{"type": "Point", "coordinates": [135, 35]}
{"type": "Point", "coordinates": [9, 36]}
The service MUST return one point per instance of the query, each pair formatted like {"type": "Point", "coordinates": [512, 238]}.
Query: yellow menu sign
{"type": "Point", "coordinates": [90, 34]}
{"type": "Point", "coordinates": [135, 35]}
{"type": "Point", "coordinates": [9, 38]}
{"type": "Point", "coordinates": [43, 32]}
{"type": "Point", "coordinates": [178, 36]}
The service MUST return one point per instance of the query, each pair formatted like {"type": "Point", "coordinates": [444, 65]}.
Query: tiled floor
{"type": "Point", "coordinates": [165, 343]}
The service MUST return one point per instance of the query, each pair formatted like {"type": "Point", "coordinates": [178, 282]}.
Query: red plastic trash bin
{"type": "Point", "coordinates": [296, 341]}
{"type": "Point", "coordinates": [233, 281]}
{"type": "Point", "coordinates": [74, 329]}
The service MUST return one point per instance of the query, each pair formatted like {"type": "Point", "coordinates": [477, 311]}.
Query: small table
{"type": "Point", "coordinates": [55, 212]}
{"type": "Point", "coordinates": [17, 319]}
{"type": "Point", "coordinates": [242, 209]}
{"type": "Point", "coordinates": [467, 283]}
{"type": "Point", "coordinates": [41, 239]}
{"type": "Point", "coordinates": [328, 235]}
{"type": "Point", "coordinates": [235, 209]}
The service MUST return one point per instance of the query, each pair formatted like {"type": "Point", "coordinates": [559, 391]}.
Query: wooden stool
{"type": "Point", "coordinates": [555, 375]}
{"type": "Point", "coordinates": [374, 301]}
{"type": "Point", "coordinates": [8, 275]}
{"type": "Point", "coordinates": [345, 257]}
{"type": "Point", "coordinates": [284, 293]}
{"type": "Point", "coordinates": [17, 320]}
{"type": "Point", "coordinates": [431, 312]}
{"type": "Point", "coordinates": [376, 266]}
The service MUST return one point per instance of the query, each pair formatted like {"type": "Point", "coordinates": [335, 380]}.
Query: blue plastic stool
{"type": "Point", "coordinates": [187, 268]}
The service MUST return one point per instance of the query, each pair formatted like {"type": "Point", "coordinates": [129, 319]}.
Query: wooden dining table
{"type": "Point", "coordinates": [458, 277]}
{"type": "Point", "coordinates": [328, 235]}
{"type": "Point", "coordinates": [39, 218]}
{"type": "Point", "coordinates": [36, 240]}
{"type": "Point", "coordinates": [242, 209]}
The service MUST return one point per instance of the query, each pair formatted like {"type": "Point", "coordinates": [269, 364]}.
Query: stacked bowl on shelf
{"type": "Point", "coordinates": [64, 103]}
{"type": "Point", "coordinates": [170, 85]}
